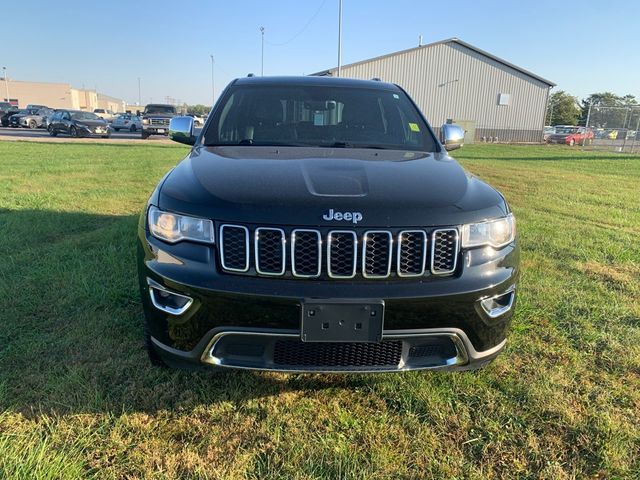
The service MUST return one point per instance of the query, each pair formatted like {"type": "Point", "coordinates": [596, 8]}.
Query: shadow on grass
{"type": "Point", "coordinates": [71, 340]}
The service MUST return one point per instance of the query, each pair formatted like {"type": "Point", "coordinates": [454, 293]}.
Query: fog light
{"type": "Point", "coordinates": [499, 304]}
{"type": "Point", "coordinates": [168, 301]}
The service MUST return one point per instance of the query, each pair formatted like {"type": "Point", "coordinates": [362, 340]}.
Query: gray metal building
{"type": "Point", "coordinates": [452, 80]}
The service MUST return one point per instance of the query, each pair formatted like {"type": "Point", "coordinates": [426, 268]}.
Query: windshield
{"type": "Point", "coordinates": [159, 109]}
{"type": "Point", "coordinates": [319, 116]}
{"type": "Point", "coordinates": [565, 130]}
{"type": "Point", "coordinates": [85, 116]}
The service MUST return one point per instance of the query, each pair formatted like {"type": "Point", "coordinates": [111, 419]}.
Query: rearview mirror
{"type": "Point", "coordinates": [181, 130]}
{"type": "Point", "coordinates": [451, 136]}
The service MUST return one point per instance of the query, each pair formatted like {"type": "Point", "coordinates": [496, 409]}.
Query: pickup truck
{"type": "Point", "coordinates": [319, 224]}
{"type": "Point", "coordinates": [155, 119]}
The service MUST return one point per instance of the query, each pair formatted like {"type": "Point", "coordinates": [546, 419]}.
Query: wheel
{"type": "Point", "coordinates": [73, 132]}
{"type": "Point", "coordinates": [51, 131]}
{"type": "Point", "coordinates": [133, 128]}
{"type": "Point", "coordinates": [117, 129]}
{"type": "Point", "coordinates": [145, 135]}
{"type": "Point", "coordinates": [33, 124]}
{"type": "Point", "coordinates": [154, 358]}
{"type": "Point", "coordinates": [572, 142]}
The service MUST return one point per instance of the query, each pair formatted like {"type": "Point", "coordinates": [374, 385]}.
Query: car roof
{"type": "Point", "coordinates": [315, 81]}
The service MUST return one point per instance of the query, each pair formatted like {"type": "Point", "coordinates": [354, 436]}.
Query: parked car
{"type": "Point", "coordinates": [36, 119]}
{"type": "Point", "coordinates": [33, 106]}
{"type": "Point", "coordinates": [77, 123]}
{"type": "Point", "coordinates": [197, 120]}
{"type": "Point", "coordinates": [126, 121]}
{"type": "Point", "coordinates": [570, 135]}
{"type": "Point", "coordinates": [548, 131]}
{"type": "Point", "coordinates": [6, 115]}
{"type": "Point", "coordinates": [105, 114]}
{"type": "Point", "coordinates": [318, 224]}
{"type": "Point", "coordinates": [14, 120]}
{"type": "Point", "coordinates": [155, 119]}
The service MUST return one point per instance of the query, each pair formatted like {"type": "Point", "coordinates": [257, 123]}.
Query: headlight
{"type": "Point", "coordinates": [173, 228]}
{"type": "Point", "coordinates": [496, 233]}
{"type": "Point", "coordinates": [145, 121]}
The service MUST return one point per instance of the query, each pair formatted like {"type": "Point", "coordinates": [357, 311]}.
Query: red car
{"type": "Point", "coordinates": [570, 135]}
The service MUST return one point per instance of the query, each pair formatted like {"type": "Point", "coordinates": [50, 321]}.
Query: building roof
{"type": "Point", "coordinates": [448, 40]}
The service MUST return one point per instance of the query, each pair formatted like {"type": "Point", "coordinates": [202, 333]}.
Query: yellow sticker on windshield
{"type": "Point", "coordinates": [414, 127]}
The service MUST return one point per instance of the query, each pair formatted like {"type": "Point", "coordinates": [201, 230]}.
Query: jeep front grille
{"type": "Point", "coordinates": [161, 122]}
{"type": "Point", "coordinates": [337, 254]}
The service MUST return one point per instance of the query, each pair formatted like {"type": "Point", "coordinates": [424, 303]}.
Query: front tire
{"type": "Point", "coordinates": [154, 357]}
{"type": "Point", "coordinates": [133, 128]}
{"type": "Point", "coordinates": [144, 135]}
{"type": "Point", "coordinates": [51, 131]}
{"type": "Point", "coordinates": [117, 129]}
{"type": "Point", "coordinates": [33, 124]}
{"type": "Point", "coordinates": [73, 132]}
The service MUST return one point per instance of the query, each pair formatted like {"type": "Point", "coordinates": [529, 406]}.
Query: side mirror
{"type": "Point", "coordinates": [451, 136]}
{"type": "Point", "coordinates": [181, 130]}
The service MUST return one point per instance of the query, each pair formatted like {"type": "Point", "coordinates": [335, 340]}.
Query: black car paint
{"type": "Point", "coordinates": [295, 186]}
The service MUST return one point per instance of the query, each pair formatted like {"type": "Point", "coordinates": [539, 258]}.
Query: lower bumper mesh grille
{"type": "Point", "coordinates": [296, 353]}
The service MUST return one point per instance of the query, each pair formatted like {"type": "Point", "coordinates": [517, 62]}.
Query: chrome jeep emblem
{"type": "Point", "coordinates": [353, 217]}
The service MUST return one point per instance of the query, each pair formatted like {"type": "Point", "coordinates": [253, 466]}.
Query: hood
{"type": "Point", "coordinates": [92, 123]}
{"type": "Point", "coordinates": [303, 186]}
{"type": "Point", "coordinates": [158, 115]}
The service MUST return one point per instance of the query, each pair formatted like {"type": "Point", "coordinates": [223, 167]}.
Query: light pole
{"type": "Point", "coordinates": [262, 67]}
{"type": "Point", "coordinates": [6, 82]}
{"type": "Point", "coordinates": [139, 93]}
{"type": "Point", "coordinates": [339, 36]}
{"type": "Point", "coordinates": [213, 85]}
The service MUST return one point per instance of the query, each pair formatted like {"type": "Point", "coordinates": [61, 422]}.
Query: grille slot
{"type": "Point", "coordinates": [342, 253]}
{"type": "Point", "coordinates": [306, 253]}
{"type": "Point", "coordinates": [270, 251]}
{"type": "Point", "coordinates": [444, 251]}
{"type": "Point", "coordinates": [234, 248]}
{"type": "Point", "coordinates": [376, 254]}
{"type": "Point", "coordinates": [321, 354]}
{"type": "Point", "coordinates": [412, 253]}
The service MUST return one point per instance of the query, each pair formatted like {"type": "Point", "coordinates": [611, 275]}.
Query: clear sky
{"type": "Point", "coordinates": [583, 46]}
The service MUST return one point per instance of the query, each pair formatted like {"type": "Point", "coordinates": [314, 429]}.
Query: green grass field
{"type": "Point", "coordinates": [79, 400]}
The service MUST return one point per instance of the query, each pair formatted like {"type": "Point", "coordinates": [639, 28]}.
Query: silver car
{"type": "Point", "coordinates": [126, 121]}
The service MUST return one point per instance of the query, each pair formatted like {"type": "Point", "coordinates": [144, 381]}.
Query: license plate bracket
{"type": "Point", "coordinates": [342, 321]}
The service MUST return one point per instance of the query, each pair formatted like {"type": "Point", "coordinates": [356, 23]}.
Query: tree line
{"type": "Point", "coordinates": [566, 109]}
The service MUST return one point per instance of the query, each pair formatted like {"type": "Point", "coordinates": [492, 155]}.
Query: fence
{"type": "Point", "coordinates": [614, 128]}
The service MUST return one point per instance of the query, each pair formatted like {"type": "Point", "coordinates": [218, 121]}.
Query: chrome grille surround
{"type": "Point", "coordinates": [384, 253]}
{"type": "Point", "coordinates": [296, 241]}
{"type": "Point", "coordinates": [333, 238]}
{"type": "Point", "coordinates": [404, 255]}
{"type": "Point", "coordinates": [259, 247]}
{"type": "Point", "coordinates": [370, 257]}
{"type": "Point", "coordinates": [445, 243]}
{"type": "Point", "coordinates": [223, 257]}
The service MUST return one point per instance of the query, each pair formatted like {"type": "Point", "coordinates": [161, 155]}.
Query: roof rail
{"type": "Point", "coordinates": [376, 79]}
{"type": "Point", "coordinates": [250, 75]}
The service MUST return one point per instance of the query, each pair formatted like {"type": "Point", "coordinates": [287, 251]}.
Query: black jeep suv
{"type": "Point", "coordinates": [318, 224]}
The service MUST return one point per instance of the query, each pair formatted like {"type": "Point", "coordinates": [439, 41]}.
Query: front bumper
{"type": "Point", "coordinates": [258, 314]}
{"type": "Point", "coordinates": [155, 129]}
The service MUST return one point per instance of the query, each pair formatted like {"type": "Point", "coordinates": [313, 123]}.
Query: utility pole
{"type": "Point", "coordinates": [139, 93]}
{"type": "Point", "coordinates": [262, 67]}
{"type": "Point", "coordinates": [339, 36]}
{"type": "Point", "coordinates": [213, 85]}
{"type": "Point", "coordinates": [6, 82]}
